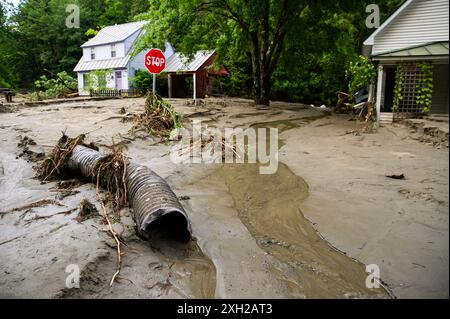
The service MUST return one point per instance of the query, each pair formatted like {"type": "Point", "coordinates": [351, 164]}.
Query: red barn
{"type": "Point", "coordinates": [197, 72]}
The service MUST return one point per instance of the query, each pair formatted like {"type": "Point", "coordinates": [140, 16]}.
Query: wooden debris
{"type": "Point", "coordinates": [159, 117]}
{"type": "Point", "coordinates": [87, 211]}
{"type": "Point", "coordinates": [396, 176]}
{"type": "Point", "coordinates": [55, 165]}
{"type": "Point", "coordinates": [9, 240]}
{"type": "Point", "coordinates": [42, 202]}
{"type": "Point", "coordinates": [38, 217]}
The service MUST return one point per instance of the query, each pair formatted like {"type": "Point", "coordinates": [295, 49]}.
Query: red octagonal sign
{"type": "Point", "coordinates": [155, 61]}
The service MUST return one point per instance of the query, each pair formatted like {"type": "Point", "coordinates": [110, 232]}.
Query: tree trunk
{"type": "Point", "coordinates": [265, 87]}
{"type": "Point", "coordinates": [256, 69]}
{"type": "Point", "coordinates": [264, 76]}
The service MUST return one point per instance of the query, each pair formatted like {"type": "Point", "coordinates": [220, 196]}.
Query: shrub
{"type": "Point", "coordinates": [142, 80]}
{"type": "Point", "coordinates": [56, 87]}
{"type": "Point", "coordinates": [359, 73]}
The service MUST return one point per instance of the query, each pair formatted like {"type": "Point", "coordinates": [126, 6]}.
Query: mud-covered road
{"type": "Point", "coordinates": [306, 231]}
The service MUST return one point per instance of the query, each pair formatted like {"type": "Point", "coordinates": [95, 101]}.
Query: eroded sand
{"type": "Point", "coordinates": [253, 240]}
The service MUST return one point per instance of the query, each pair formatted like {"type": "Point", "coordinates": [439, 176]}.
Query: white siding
{"type": "Point", "coordinates": [81, 90]}
{"type": "Point", "coordinates": [103, 52]}
{"type": "Point", "coordinates": [123, 49]}
{"type": "Point", "coordinates": [422, 22]}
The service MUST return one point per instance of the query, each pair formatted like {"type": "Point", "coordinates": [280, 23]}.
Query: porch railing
{"type": "Point", "coordinates": [115, 93]}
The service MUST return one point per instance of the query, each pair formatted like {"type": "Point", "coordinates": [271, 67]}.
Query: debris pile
{"type": "Point", "coordinates": [159, 117]}
{"type": "Point", "coordinates": [151, 198]}
{"type": "Point", "coordinates": [110, 173]}
{"type": "Point", "coordinates": [87, 211]}
{"type": "Point", "coordinates": [54, 166]}
{"type": "Point", "coordinates": [29, 155]}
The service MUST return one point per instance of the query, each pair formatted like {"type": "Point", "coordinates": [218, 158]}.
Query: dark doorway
{"type": "Point", "coordinates": [182, 86]}
{"type": "Point", "coordinates": [389, 90]}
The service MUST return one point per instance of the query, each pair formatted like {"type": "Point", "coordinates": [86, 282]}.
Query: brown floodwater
{"type": "Point", "coordinates": [193, 272]}
{"type": "Point", "coordinates": [269, 206]}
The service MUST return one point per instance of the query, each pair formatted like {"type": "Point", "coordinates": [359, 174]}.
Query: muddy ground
{"type": "Point", "coordinates": [306, 231]}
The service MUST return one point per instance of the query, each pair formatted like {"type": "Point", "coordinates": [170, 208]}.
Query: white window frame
{"type": "Point", "coordinates": [92, 53]}
{"type": "Point", "coordinates": [113, 50]}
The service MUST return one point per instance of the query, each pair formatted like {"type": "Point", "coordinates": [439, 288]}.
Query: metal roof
{"type": "Point", "coordinates": [116, 63]}
{"type": "Point", "coordinates": [429, 49]}
{"type": "Point", "coordinates": [180, 63]}
{"type": "Point", "coordinates": [114, 33]}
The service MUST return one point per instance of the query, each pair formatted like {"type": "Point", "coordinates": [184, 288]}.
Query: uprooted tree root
{"type": "Point", "coordinates": [54, 165]}
{"type": "Point", "coordinates": [110, 169]}
{"type": "Point", "coordinates": [109, 173]}
{"type": "Point", "coordinates": [159, 117]}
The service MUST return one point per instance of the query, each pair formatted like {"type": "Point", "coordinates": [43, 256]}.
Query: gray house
{"type": "Point", "coordinates": [416, 34]}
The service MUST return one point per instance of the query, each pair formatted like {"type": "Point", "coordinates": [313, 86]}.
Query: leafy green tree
{"type": "Point", "coordinates": [4, 76]}
{"type": "Point", "coordinates": [46, 44]}
{"type": "Point", "coordinates": [11, 53]}
{"type": "Point", "coordinates": [137, 7]}
{"type": "Point", "coordinates": [327, 38]}
{"type": "Point", "coordinates": [287, 49]}
{"type": "Point", "coordinates": [259, 27]}
{"type": "Point", "coordinates": [295, 49]}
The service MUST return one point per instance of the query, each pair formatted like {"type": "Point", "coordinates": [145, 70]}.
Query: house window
{"type": "Point", "coordinates": [113, 50]}
{"type": "Point", "coordinates": [92, 54]}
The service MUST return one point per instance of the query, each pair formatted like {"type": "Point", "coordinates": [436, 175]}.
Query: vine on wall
{"type": "Point", "coordinates": [98, 79]}
{"type": "Point", "coordinates": [399, 84]}
{"type": "Point", "coordinates": [424, 90]}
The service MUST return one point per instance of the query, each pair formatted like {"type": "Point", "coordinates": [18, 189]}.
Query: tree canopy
{"type": "Point", "coordinates": [35, 40]}
{"type": "Point", "coordinates": [287, 49]}
{"type": "Point", "coordinates": [294, 50]}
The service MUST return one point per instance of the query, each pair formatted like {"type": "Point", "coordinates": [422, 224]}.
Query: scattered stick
{"type": "Point", "coordinates": [42, 202]}
{"type": "Point", "coordinates": [37, 217]}
{"type": "Point", "coordinates": [9, 240]}
{"type": "Point", "coordinates": [111, 230]}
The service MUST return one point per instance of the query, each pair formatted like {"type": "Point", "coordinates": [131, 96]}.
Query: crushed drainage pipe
{"type": "Point", "coordinates": [154, 203]}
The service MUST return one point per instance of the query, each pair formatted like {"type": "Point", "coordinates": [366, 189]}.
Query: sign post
{"type": "Point", "coordinates": [155, 61]}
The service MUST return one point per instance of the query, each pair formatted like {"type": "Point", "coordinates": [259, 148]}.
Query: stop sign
{"type": "Point", "coordinates": [155, 61]}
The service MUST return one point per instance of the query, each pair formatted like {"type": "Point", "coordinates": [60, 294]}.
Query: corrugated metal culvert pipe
{"type": "Point", "coordinates": [156, 208]}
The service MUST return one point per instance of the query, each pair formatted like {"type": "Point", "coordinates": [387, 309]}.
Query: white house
{"type": "Point", "coordinates": [417, 32]}
{"type": "Point", "coordinates": [111, 49]}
